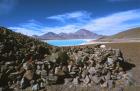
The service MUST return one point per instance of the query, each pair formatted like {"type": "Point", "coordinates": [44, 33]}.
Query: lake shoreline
{"type": "Point", "coordinates": [69, 42]}
{"type": "Point", "coordinates": [82, 42]}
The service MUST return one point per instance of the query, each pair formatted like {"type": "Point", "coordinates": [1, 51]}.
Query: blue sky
{"type": "Point", "coordinates": [36, 17]}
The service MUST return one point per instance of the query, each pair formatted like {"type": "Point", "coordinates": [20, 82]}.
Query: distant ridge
{"type": "Point", "coordinates": [130, 33]}
{"type": "Point", "coordinates": [80, 34]}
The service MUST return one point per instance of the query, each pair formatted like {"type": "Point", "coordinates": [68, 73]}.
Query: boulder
{"type": "Point", "coordinates": [52, 79]}
{"type": "Point", "coordinates": [76, 81]}
{"type": "Point", "coordinates": [28, 75]}
{"type": "Point", "coordinates": [96, 79]}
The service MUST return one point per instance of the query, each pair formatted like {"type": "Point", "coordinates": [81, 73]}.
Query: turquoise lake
{"type": "Point", "coordinates": [70, 42]}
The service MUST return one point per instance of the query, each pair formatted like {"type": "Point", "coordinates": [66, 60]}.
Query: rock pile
{"type": "Point", "coordinates": [26, 62]}
{"type": "Point", "coordinates": [15, 50]}
{"type": "Point", "coordinates": [98, 66]}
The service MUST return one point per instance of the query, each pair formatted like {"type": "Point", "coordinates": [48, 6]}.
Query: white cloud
{"type": "Point", "coordinates": [106, 25]}
{"type": "Point", "coordinates": [7, 6]}
{"type": "Point", "coordinates": [66, 29]}
{"type": "Point", "coordinates": [31, 27]}
{"type": "Point", "coordinates": [26, 31]}
{"type": "Point", "coordinates": [114, 23]}
{"type": "Point", "coordinates": [117, 18]}
{"type": "Point", "coordinates": [32, 24]}
{"type": "Point", "coordinates": [79, 15]}
{"type": "Point", "coordinates": [29, 31]}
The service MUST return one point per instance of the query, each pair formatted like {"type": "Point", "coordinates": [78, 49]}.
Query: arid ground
{"type": "Point", "coordinates": [131, 52]}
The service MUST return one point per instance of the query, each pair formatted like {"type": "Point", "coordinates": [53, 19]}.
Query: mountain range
{"type": "Point", "coordinates": [80, 34]}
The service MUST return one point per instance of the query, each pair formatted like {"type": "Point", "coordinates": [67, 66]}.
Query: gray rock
{"type": "Point", "coordinates": [76, 81]}
{"type": "Point", "coordinates": [43, 73]}
{"type": "Point", "coordinates": [96, 79]}
{"type": "Point", "coordinates": [86, 80]}
{"type": "Point", "coordinates": [110, 84]}
{"type": "Point", "coordinates": [92, 70]}
{"type": "Point", "coordinates": [28, 74]}
{"type": "Point", "coordinates": [51, 79]}
{"type": "Point", "coordinates": [120, 88]}
{"type": "Point", "coordinates": [35, 87]}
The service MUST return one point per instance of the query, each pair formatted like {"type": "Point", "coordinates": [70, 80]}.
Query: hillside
{"type": "Point", "coordinates": [130, 33]}
{"type": "Point", "coordinates": [16, 49]}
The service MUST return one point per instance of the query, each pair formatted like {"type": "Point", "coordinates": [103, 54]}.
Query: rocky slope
{"type": "Point", "coordinates": [15, 49]}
